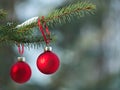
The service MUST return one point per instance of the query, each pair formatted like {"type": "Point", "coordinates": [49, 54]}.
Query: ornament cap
{"type": "Point", "coordinates": [21, 59]}
{"type": "Point", "coordinates": [48, 48]}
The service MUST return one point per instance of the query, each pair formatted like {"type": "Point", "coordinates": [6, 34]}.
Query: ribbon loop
{"type": "Point", "coordinates": [47, 35]}
{"type": "Point", "coordinates": [21, 49]}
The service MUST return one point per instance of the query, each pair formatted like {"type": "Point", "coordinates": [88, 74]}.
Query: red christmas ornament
{"type": "Point", "coordinates": [48, 62]}
{"type": "Point", "coordinates": [20, 72]}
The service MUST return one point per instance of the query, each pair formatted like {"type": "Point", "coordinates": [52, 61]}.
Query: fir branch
{"type": "Point", "coordinates": [3, 14]}
{"type": "Point", "coordinates": [23, 33]}
{"type": "Point", "coordinates": [60, 16]}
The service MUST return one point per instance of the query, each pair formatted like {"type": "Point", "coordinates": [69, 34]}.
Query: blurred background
{"type": "Point", "coordinates": [88, 48]}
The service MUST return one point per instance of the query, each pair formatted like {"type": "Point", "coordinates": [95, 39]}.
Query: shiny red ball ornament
{"type": "Point", "coordinates": [48, 62]}
{"type": "Point", "coordinates": [20, 72]}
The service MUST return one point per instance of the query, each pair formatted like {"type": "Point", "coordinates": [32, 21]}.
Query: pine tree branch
{"type": "Point", "coordinates": [60, 16]}
{"type": "Point", "coordinates": [24, 33]}
{"type": "Point", "coordinates": [3, 14]}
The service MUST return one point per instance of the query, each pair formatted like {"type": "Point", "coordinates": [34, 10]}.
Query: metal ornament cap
{"type": "Point", "coordinates": [21, 59]}
{"type": "Point", "coordinates": [48, 48]}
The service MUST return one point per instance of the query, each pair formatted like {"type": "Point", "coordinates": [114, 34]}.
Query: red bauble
{"type": "Point", "coordinates": [48, 62]}
{"type": "Point", "coordinates": [20, 72]}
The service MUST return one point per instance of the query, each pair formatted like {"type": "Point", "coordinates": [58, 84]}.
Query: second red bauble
{"type": "Point", "coordinates": [48, 62]}
{"type": "Point", "coordinates": [20, 72]}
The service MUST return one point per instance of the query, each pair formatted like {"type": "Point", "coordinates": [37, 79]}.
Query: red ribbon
{"type": "Point", "coordinates": [46, 39]}
{"type": "Point", "coordinates": [21, 49]}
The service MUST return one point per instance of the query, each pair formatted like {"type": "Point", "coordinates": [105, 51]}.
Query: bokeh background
{"type": "Point", "coordinates": [88, 48]}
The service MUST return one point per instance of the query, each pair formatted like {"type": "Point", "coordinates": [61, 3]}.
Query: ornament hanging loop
{"type": "Point", "coordinates": [21, 49]}
{"type": "Point", "coordinates": [46, 33]}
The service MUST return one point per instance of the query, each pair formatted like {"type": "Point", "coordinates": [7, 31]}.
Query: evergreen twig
{"type": "Point", "coordinates": [23, 33]}
{"type": "Point", "coordinates": [60, 16]}
{"type": "Point", "coordinates": [3, 14]}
